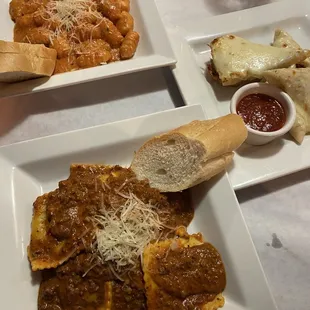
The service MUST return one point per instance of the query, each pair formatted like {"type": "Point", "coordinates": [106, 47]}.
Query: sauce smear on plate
{"type": "Point", "coordinates": [262, 112]}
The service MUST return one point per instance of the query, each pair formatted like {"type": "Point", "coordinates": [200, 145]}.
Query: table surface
{"type": "Point", "coordinates": [276, 212]}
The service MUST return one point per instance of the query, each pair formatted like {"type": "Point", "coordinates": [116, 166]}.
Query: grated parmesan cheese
{"type": "Point", "coordinates": [70, 13]}
{"type": "Point", "coordinates": [123, 233]}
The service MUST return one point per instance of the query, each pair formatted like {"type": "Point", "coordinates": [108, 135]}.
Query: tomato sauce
{"type": "Point", "coordinates": [262, 112]}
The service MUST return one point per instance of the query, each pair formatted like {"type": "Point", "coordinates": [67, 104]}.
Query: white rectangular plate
{"type": "Point", "coordinates": [154, 51]}
{"type": "Point", "coordinates": [31, 168]}
{"type": "Point", "coordinates": [252, 164]}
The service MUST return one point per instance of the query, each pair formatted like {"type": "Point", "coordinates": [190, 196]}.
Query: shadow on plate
{"type": "Point", "coordinates": [28, 85]}
{"type": "Point", "coordinates": [227, 6]}
{"type": "Point", "coordinates": [12, 114]}
{"type": "Point", "coordinates": [173, 88]}
{"type": "Point", "coordinates": [261, 151]}
{"type": "Point", "coordinates": [273, 186]}
{"type": "Point", "coordinates": [288, 137]}
{"type": "Point", "coordinates": [36, 276]}
{"type": "Point", "coordinates": [12, 110]}
{"type": "Point", "coordinates": [231, 167]}
{"type": "Point", "coordinates": [15, 110]}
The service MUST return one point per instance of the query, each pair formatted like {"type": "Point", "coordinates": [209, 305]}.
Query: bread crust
{"type": "Point", "coordinates": [213, 134]}
{"type": "Point", "coordinates": [199, 151]}
{"type": "Point", "coordinates": [22, 61]}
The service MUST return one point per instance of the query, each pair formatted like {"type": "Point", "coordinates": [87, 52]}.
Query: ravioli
{"type": "Point", "coordinates": [83, 283]}
{"type": "Point", "coordinates": [183, 273]}
{"type": "Point", "coordinates": [295, 82]}
{"type": "Point", "coordinates": [285, 40]}
{"type": "Point", "coordinates": [60, 226]}
{"type": "Point", "coordinates": [236, 60]}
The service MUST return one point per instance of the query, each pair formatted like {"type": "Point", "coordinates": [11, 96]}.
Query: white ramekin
{"type": "Point", "coordinates": [256, 137]}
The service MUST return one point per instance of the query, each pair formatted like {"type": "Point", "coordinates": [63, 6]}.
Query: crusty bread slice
{"type": "Point", "coordinates": [190, 154]}
{"type": "Point", "coordinates": [23, 61]}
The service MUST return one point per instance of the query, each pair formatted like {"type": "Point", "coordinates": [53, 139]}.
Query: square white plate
{"type": "Point", "coordinates": [252, 164]}
{"type": "Point", "coordinates": [31, 168]}
{"type": "Point", "coordinates": [154, 51]}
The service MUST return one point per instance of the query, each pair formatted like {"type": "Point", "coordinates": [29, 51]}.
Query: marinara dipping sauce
{"type": "Point", "coordinates": [261, 112]}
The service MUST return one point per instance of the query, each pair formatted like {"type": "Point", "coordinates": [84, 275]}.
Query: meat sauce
{"type": "Point", "coordinates": [189, 271]}
{"type": "Point", "coordinates": [69, 207]}
{"type": "Point", "coordinates": [262, 112]}
{"type": "Point", "coordinates": [188, 277]}
{"type": "Point", "coordinates": [73, 285]}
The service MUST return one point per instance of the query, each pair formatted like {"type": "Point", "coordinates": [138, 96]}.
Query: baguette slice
{"type": "Point", "coordinates": [190, 154]}
{"type": "Point", "coordinates": [23, 61]}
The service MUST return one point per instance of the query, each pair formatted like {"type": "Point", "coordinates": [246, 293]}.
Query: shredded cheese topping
{"type": "Point", "coordinates": [123, 233]}
{"type": "Point", "coordinates": [70, 13]}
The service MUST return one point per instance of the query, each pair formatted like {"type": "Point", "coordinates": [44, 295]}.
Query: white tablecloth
{"type": "Point", "coordinates": [277, 212]}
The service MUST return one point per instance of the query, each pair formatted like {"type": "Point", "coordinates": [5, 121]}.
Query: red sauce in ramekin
{"type": "Point", "coordinates": [261, 112]}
